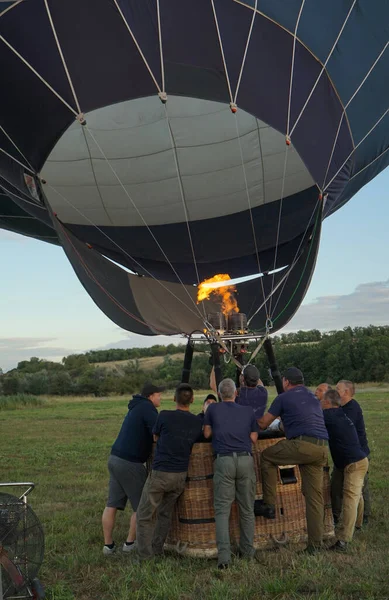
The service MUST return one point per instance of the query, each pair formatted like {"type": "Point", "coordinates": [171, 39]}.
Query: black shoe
{"type": "Point", "coordinates": [365, 520]}
{"type": "Point", "coordinates": [339, 546]}
{"type": "Point", "coordinates": [264, 510]}
{"type": "Point", "coordinates": [336, 519]}
{"type": "Point", "coordinates": [223, 566]}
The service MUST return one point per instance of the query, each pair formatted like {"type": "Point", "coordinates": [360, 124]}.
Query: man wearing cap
{"type": "Point", "coordinates": [306, 445]}
{"type": "Point", "coordinates": [210, 399]}
{"type": "Point", "coordinates": [252, 392]}
{"type": "Point", "coordinates": [126, 466]}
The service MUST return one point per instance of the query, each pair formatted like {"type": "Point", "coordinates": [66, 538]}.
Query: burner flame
{"type": "Point", "coordinates": [224, 294]}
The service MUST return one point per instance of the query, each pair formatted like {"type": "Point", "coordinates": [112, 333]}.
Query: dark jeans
{"type": "Point", "coordinates": [154, 514]}
{"type": "Point", "coordinates": [311, 459]}
{"type": "Point", "coordinates": [337, 493]}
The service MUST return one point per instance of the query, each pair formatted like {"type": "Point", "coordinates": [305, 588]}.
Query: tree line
{"type": "Point", "coordinates": [360, 354]}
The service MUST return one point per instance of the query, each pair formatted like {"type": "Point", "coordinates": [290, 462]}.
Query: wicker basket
{"type": "Point", "coordinates": [193, 532]}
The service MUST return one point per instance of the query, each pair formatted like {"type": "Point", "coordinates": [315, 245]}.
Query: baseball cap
{"type": "Point", "coordinates": [294, 375]}
{"type": "Point", "coordinates": [149, 389]}
{"type": "Point", "coordinates": [251, 375]}
{"type": "Point", "coordinates": [210, 397]}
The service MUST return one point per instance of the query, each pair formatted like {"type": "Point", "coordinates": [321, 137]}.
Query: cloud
{"type": "Point", "coordinates": [368, 304]}
{"type": "Point", "coordinates": [13, 350]}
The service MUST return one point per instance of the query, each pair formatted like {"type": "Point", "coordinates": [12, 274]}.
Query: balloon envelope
{"type": "Point", "coordinates": [181, 139]}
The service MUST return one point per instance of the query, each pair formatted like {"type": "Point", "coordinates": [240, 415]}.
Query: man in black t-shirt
{"type": "Point", "coordinates": [348, 456]}
{"type": "Point", "coordinates": [210, 399]}
{"type": "Point", "coordinates": [175, 433]}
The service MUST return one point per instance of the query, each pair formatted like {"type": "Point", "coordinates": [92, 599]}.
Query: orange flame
{"type": "Point", "coordinates": [224, 294]}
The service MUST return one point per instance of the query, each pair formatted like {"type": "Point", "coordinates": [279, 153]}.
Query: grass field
{"type": "Point", "coordinates": [145, 364]}
{"type": "Point", "coordinates": [63, 446]}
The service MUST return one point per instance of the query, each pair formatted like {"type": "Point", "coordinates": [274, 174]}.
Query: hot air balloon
{"type": "Point", "coordinates": [166, 143]}
{"type": "Point", "coordinates": [163, 142]}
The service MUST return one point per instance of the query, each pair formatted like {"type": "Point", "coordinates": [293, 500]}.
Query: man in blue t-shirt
{"type": "Point", "coordinates": [175, 432]}
{"type": "Point", "coordinates": [306, 445]}
{"type": "Point", "coordinates": [252, 392]}
{"type": "Point", "coordinates": [348, 456]}
{"type": "Point", "coordinates": [352, 409]}
{"type": "Point", "coordinates": [233, 429]}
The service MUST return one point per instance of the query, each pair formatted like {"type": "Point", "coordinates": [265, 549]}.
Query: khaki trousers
{"type": "Point", "coordinates": [311, 459]}
{"type": "Point", "coordinates": [153, 517]}
{"type": "Point", "coordinates": [364, 509]}
{"type": "Point", "coordinates": [353, 478]}
{"type": "Point", "coordinates": [234, 478]}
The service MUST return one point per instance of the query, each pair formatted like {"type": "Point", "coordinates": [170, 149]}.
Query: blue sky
{"type": "Point", "coordinates": [44, 310]}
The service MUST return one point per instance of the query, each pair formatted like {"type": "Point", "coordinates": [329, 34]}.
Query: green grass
{"type": "Point", "coordinates": [20, 401]}
{"type": "Point", "coordinates": [63, 446]}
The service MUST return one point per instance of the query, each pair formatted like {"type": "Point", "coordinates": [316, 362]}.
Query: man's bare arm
{"type": "Point", "coordinates": [155, 437]}
{"type": "Point", "coordinates": [253, 436]}
{"type": "Point", "coordinates": [266, 420]}
{"type": "Point", "coordinates": [207, 431]}
{"type": "Point", "coordinates": [212, 380]}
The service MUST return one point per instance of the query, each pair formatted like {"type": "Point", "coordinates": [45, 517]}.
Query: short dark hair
{"type": "Point", "coordinates": [210, 397]}
{"type": "Point", "coordinates": [333, 397]}
{"type": "Point", "coordinates": [294, 376]}
{"type": "Point", "coordinates": [184, 394]}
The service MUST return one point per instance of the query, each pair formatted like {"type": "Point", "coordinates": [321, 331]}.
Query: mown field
{"type": "Point", "coordinates": [146, 363]}
{"type": "Point", "coordinates": [63, 446]}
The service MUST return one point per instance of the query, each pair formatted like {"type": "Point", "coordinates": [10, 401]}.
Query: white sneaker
{"type": "Point", "coordinates": [107, 551]}
{"type": "Point", "coordinates": [129, 548]}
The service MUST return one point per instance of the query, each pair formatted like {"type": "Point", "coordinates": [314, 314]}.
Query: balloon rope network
{"type": "Point", "coordinates": [233, 100]}
{"type": "Point", "coordinates": [29, 168]}
{"type": "Point", "coordinates": [120, 248]}
{"type": "Point", "coordinates": [141, 217]}
{"type": "Point", "coordinates": [344, 112]}
{"type": "Point", "coordinates": [249, 204]}
{"type": "Point", "coordinates": [179, 178]}
{"type": "Point", "coordinates": [323, 68]}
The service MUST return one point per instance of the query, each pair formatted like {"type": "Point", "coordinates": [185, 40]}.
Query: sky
{"type": "Point", "coordinates": [45, 311]}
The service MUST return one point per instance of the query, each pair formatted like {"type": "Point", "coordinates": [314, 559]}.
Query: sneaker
{"type": "Point", "coordinates": [339, 546]}
{"type": "Point", "coordinates": [107, 550]}
{"type": "Point", "coordinates": [129, 548]}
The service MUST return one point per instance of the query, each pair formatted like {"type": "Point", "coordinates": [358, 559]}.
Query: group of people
{"type": "Point", "coordinates": [311, 423]}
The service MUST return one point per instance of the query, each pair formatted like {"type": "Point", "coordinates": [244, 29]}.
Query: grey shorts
{"type": "Point", "coordinates": [126, 482]}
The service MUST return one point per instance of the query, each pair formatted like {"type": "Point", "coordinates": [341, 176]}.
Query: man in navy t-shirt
{"type": "Point", "coordinates": [252, 392]}
{"type": "Point", "coordinates": [348, 456]}
{"type": "Point", "coordinates": [233, 429]}
{"type": "Point", "coordinates": [306, 445]}
{"type": "Point", "coordinates": [352, 409]}
{"type": "Point", "coordinates": [175, 432]}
